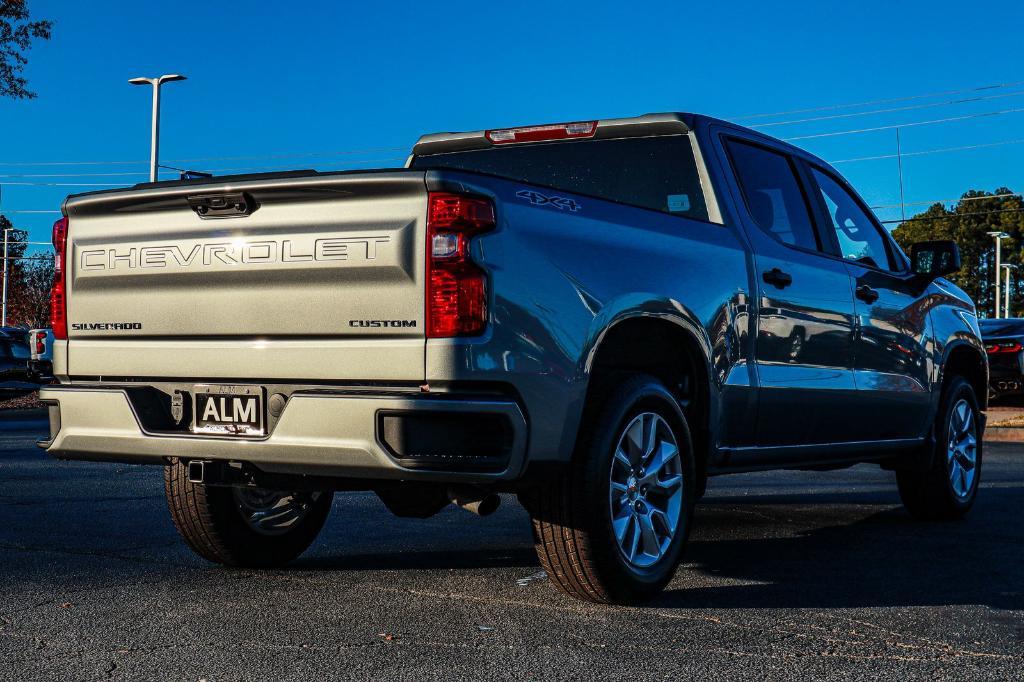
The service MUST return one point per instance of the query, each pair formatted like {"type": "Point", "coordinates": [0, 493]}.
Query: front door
{"type": "Point", "coordinates": [891, 359]}
{"type": "Point", "coordinates": [804, 343]}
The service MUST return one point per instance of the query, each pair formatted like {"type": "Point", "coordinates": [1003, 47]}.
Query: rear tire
{"type": "Point", "coordinates": [248, 527]}
{"type": "Point", "coordinates": [948, 489]}
{"type": "Point", "coordinates": [611, 531]}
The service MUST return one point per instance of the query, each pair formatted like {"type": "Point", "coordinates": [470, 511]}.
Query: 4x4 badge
{"type": "Point", "coordinates": [538, 199]}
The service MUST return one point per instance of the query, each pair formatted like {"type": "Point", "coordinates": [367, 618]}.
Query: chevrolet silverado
{"type": "Point", "coordinates": [594, 316]}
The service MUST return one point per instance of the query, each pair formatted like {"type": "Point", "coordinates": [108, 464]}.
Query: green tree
{"type": "Point", "coordinates": [968, 223]}
{"type": "Point", "coordinates": [17, 32]}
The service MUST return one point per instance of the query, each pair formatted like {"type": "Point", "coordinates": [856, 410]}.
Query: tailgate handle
{"type": "Point", "coordinates": [223, 205]}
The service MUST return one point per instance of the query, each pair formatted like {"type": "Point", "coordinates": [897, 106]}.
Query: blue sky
{"type": "Point", "coordinates": [274, 81]}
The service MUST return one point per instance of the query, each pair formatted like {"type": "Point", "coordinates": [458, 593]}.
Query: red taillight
{"type": "Point", "coordinates": [40, 343]}
{"type": "Point", "coordinates": [58, 295]}
{"type": "Point", "coordinates": [1003, 347]}
{"type": "Point", "coordinates": [558, 131]}
{"type": "Point", "coordinates": [456, 286]}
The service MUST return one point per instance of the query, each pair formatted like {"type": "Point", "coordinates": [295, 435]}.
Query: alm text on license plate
{"type": "Point", "coordinates": [228, 410]}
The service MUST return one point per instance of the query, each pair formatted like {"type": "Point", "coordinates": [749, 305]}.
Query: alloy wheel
{"type": "Point", "coordinates": [645, 495]}
{"type": "Point", "coordinates": [272, 512]}
{"type": "Point", "coordinates": [962, 449]}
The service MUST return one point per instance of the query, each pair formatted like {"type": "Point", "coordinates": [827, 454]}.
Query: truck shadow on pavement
{"type": "Point", "coordinates": [885, 559]}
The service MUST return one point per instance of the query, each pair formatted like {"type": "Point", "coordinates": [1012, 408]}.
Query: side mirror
{"type": "Point", "coordinates": [931, 260]}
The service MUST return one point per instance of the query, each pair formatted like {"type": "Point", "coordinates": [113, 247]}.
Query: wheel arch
{"type": "Point", "coordinates": [965, 359]}
{"type": "Point", "coordinates": [670, 346]}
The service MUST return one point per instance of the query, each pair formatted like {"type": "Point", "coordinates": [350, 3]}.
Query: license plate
{"type": "Point", "coordinates": [228, 410]}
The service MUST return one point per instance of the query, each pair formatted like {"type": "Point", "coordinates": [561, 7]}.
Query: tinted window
{"type": "Point", "coordinates": [772, 194]}
{"type": "Point", "coordinates": [652, 172]}
{"type": "Point", "coordinates": [859, 237]}
{"type": "Point", "coordinates": [1001, 327]}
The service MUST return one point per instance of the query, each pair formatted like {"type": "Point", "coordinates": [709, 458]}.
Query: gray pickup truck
{"type": "Point", "coordinates": [595, 316]}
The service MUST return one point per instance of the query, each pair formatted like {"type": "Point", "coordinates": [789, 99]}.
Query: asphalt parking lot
{"type": "Point", "coordinates": [788, 576]}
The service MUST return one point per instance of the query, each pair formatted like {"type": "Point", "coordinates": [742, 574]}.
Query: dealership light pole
{"type": "Point", "coordinates": [7, 265]}
{"type": "Point", "coordinates": [154, 152]}
{"type": "Point", "coordinates": [999, 237]}
{"type": "Point", "coordinates": [1006, 290]}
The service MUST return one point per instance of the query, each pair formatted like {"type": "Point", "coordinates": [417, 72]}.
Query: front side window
{"type": "Point", "coordinates": [772, 194]}
{"type": "Point", "coordinates": [859, 237]}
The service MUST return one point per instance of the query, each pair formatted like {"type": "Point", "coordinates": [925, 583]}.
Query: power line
{"type": "Point", "coordinates": [212, 170]}
{"type": "Point", "coordinates": [346, 152]}
{"type": "Point", "coordinates": [907, 125]}
{"type": "Point", "coordinates": [12, 212]}
{"type": "Point", "coordinates": [954, 215]}
{"type": "Point", "coordinates": [887, 111]}
{"type": "Point", "coordinates": [946, 201]}
{"type": "Point", "coordinates": [930, 151]}
{"type": "Point", "coordinates": [890, 100]}
{"type": "Point", "coordinates": [69, 184]}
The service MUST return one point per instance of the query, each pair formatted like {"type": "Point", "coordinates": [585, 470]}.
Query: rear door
{"type": "Point", "coordinates": [891, 358]}
{"type": "Point", "coordinates": [292, 278]}
{"type": "Point", "coordinates": [804, 343]}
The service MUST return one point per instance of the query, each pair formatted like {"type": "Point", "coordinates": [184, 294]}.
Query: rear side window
{"type": "Point", "coordinates": [651, 172]}
{"type": "Point", "coordinates": [772, 194]}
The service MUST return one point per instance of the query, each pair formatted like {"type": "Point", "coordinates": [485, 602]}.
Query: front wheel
{"type": "Point", "coordinates": [249, 527]}
{"type": "Point", "coordinates": [611, 528]}
{"type": "Point", "coordinates": [948, 489]}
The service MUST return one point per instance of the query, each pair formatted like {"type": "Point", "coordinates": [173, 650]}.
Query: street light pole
{"type": "Point", "coordinates": [154, 147]}
{"type": "Point", "coordinates": [1006, 290]}
{"type": "Point", "coordinates": [999, 237]}
{"type": "Point", "coordinates": [7, 231]}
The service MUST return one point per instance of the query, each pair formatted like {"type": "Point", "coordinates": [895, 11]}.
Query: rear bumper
{"type": "Point", "coordinates": [1005, 380]}
{"type": "Point", "coordinates": [321, 433]}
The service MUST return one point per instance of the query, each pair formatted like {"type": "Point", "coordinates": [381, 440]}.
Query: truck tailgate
{"type": "Point", "coordinates": [310, 277]}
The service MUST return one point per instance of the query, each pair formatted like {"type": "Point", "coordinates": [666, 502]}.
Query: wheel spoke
{"type": "Point", "coordinates": [670, 484]}
{"type": "Point", "coordinates": [636, 540]}
{"type": "Point", "coordinates": [635, 438]}
{"type": "Point", "coordinates": [622, 458]}
{"type": "Point", "coordinates": [958, 416]}
{"type": "Point", "coordinates": [650, 436]}
{"type": "Point", "coordinates": [966, 427]}
{"type": "Point", "coordinates": [663, 454]}
{"type": "Point", "coordinates": [650, 537]}
{"type": "Point", "coordinates": [621, 524]}
{"type": "Point", "coordinates": [663, 521]}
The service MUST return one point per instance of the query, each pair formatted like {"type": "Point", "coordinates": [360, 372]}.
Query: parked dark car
{"type": "Point", "coordinates": [14, 357]}
{"type": "Point", "coordinates": [1004, 343]}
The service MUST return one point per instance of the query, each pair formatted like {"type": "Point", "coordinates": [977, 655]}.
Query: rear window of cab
{"type": "Point", "coordinates": [657, 173]}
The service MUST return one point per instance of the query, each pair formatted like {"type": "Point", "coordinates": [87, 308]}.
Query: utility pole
{"type": "Point", "coordinates": [154, 148]}
{"type": "Point", "coordinates": [7, 260]}
{"type": "Point", "coordinates": [899, 167]}
{"type": "Point", "coordinates": [999, 237]}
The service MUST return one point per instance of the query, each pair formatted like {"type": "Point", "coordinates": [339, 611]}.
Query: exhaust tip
{"type": "Point", "coordinates": [474, 500]}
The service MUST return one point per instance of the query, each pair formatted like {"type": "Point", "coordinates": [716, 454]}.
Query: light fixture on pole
{"type": "Point", "coordinates": [154, 150]}
{"type": "Point", "coordinates": [999, 236]}
{"type": "Point", "coordinates": [1006, 289]}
